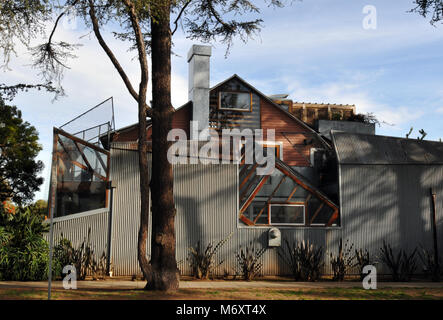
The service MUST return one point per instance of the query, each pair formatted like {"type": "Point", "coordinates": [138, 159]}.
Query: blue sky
{"type": "Point", "coordinates": [313, 50]}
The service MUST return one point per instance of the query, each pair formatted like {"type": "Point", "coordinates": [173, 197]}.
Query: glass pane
{"type": "Point", "coordinates": [79, 188]}
{"type": "Point", "coordinates": [323, 216]}
{"type": "Point", "coordinates": [237, 100]}
{"type": "Point", "coordinates": [254, 210]}
{"type": "Point", "coordinates": [287, 214]}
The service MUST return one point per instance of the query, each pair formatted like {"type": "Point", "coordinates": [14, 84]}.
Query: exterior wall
{"type": "Point", "coordinates": [180, 120]}
{"type": "Point", "coordinates": [207, 212]}
{"type": "Point", "coordinates": [325, 127]}
{"type": "Point", "coordinates": [75, 228]}
{"type": "Point", "coordinates": [230, 119]}
{"type": "Point", "coordinates": [286, 129]}
{"type": "Point", "coordinates": [391, 203]}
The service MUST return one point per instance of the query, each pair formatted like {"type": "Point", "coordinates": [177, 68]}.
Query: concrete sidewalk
{"type": "Point", "coordinates": [218, 284]}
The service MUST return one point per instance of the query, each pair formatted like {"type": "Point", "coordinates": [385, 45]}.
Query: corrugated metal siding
{"type": "Point", "coordinates": [390, 203]}
{"type": "Point", "coordinates": [372, 149]}
{"type": "Point", "coordinates": [206, 212]}
{"type": "Point", "coordinates": [126, 209]}
{"type": "Point", "coordinates": [75, 229]}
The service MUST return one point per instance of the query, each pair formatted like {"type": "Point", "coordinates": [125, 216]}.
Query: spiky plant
{"type": "Point", "coordinates": [249, 261]}
{"type": "Point", "coordinates": [202, 260]}
{"type": "Point", "coordinates": [343, 261]}
{"type": "Point", "coordinates": [430, 265]}
{"type": "Point", "coordinates": [362, 259]}
{"type": "Point", "coordinates": [304, 259]}
{"type": "Point", "coordinates": [401, 265]}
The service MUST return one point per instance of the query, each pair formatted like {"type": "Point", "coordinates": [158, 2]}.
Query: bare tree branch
{"type": "Point", "coordinates": [180, 15]}
{"type": "Point", "coordinates": [112, 57]}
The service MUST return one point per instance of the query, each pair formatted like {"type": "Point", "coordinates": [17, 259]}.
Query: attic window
{"type": "Point", "coordinates": [237, 101]}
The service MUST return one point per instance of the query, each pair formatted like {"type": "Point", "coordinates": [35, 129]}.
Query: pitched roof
{"type": "Point", "coordinates": [363, 149]}
{"type": "Point", "coordinates": [265, 97]}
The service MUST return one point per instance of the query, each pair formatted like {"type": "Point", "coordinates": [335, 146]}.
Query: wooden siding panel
{"type": "Point", "coordinates": [288, 132]}
{"type": "Point", "coordinates": [231, 119]}
{"type": "Point", "coordinates": [180, 120]}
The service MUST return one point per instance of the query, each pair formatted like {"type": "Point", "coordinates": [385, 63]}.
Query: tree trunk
{"type": "Point", "coordinates": [144, 186]}
{"type": "Point", "coordinates": [164, 273]}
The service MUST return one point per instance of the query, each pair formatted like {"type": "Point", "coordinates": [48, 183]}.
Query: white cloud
{"type": "Point", "coordinates": [352, 92]}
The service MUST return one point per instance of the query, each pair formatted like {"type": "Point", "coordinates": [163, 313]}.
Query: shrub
{"type": "Point", "coordinates": [430, 266]}
{"type": "Point", "coordinates": [82, 258]}
{"type": "Point", "coordinates": [304, 260]}
{"type": "Point", "coordinates": [202, 261]}
{"type": "Point", "coordinates": [362, 259]}
{"type": "Point", "coordinates": [401, 265]}
{"type": "Point", "coordinates": [24, 253]}
{"type": "Point", "coordinates": [249, 263]}
{"type": "Point", "coordinates": [343, 261]}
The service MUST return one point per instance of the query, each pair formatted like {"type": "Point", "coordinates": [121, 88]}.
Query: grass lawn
{"type": "Point", "coordinates": [228, 294]}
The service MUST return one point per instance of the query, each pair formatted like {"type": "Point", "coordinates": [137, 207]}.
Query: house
{"type": "Point", "coordinates": [331, 180]}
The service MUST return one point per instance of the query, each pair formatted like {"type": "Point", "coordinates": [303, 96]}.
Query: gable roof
{"type": "Point", "coordinates": [271, 102]}
{"type": "Point", "coordinates": [363, 149]}
{"type": "Point", "coordinates": [265, 97]}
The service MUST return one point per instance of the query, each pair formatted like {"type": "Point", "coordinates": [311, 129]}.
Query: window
{"type": "Point", "coordinates": [82, 175]}
{"type": "Point", "coordinates": [272, 148]}
{"type": "Point", "coordinates": [293, 214]}
{"type": "Point", "coordinates": [238, 101]}
{"type": "Point", "coordinates": [258, 212]}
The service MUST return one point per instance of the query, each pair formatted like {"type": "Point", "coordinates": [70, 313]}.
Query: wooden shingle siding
{"type": "Point", "coordinates": [287, 131]}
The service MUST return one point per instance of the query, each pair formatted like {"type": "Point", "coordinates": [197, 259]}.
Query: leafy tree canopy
{"type": "Point", "coordinates": [18, 149]}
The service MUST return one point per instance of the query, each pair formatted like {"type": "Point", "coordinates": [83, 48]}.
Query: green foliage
{"type": "Point", "coordinates": [364, 118]}
{"type": "Point", "coordinates": [40, 208]}
{"type": "Point", "coordinates": [18, 149]}
{"type": "Point", "coordinates": [336, 116]}
{"type": "Point", "coordinates": [343, 261]}
{"type": "Point", "coordinates": [401, 265]}
{"type": "Point", "coordinates": [202, 262]}
{"type": "Point", "coordinates": [24, 253]}
{"type": "Point", "coordinates": [249, 262]}
{"type": "Point", "coordinates": [304, 260]}
{"type": "Point", "coordinates": [82, 258]}
{"type": "Point", "coordinates": [430, 265]}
